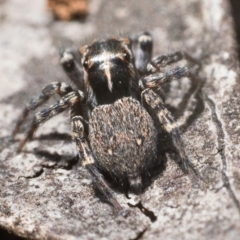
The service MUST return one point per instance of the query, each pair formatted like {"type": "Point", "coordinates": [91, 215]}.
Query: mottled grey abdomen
{"type": "Point", "coordinates": [123, 139]}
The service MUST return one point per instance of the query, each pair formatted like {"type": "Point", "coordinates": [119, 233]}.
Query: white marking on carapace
{"type": "Point", "coordinates": [107, 72]}
{"type": "Point", "coordinates": [103, 57]}
{"type": "Point", "coordinates": [105, 64]}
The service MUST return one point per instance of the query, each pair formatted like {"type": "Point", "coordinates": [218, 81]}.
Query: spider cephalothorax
{"type": "Point", "coordinates": [113, 107]}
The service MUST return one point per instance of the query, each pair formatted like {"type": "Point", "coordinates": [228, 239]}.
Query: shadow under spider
{"type": "Point", "coordinates": [55, 160]}
{"type": "Point", "coordinates": [54, 136]}
{"type": "Point", "coordinates": [148, 175]}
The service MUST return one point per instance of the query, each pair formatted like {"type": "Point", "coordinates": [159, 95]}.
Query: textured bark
{"type": "Point", "coordinates": [40, 200]}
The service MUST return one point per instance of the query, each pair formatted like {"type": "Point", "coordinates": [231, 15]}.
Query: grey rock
{"type": "Point", "coordinates": [39, 200]}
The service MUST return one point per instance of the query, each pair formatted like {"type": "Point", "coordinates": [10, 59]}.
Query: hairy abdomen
{"type": "Point", "coordinates": [123, 139]}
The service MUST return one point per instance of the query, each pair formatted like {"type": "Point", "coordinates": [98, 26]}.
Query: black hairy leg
{"type": "Point", "coordinates": [88, 162]}
{"type": "Point", "coordinates": [45, 114]}
{"type": "Point", "coordinates": [158, 79]}
{"type": "Point", "coordinates": [165, 118]}
{"type": "Point", "coordinates": [163, 60]}
{"type": "Point", "coordinates": [47, 92]}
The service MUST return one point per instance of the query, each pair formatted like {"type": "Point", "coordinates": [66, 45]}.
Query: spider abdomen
{"type": "Point", "coordinates": [123, 139]}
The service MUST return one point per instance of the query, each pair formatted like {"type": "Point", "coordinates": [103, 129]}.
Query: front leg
{"type": "Point", "coordinates": [42, 116]}
{"type": "Point", "coordinates": [165, 118]}
{"type": "Point", "coordinates": [47, 92]}
{"type": "Point", "coordinates": [158, 79]}
{"type": "Point", "coordinates": [89, 162]}
{"type": "Point", "coordinates": [163, 60]}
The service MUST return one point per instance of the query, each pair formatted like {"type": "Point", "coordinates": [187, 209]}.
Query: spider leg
{"type": "Point", "coordinates": [161, 61]}
{"type": "Point", "coordinates": [155, 103]}
{"type": "Point", "coordinates": [47, 92]}
{"type": "Point", "coordinates": [142, 45]}
{"type": "Point", "coordinates": [158, 79]}
{"type": "Point", "coordinates": [71, 63]}
{"type": "Point", "coordinates": [89, 162]}
{"type": "Point", "coordinates": [45, 114]}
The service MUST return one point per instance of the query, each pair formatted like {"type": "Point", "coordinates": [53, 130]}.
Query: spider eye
{"type": "Point", "coordinates": [145, 45]}
{"type": "Point", "coordinates": [85, 64]}
{"type": "Point", "coordinates": [67, 61]}
{"type": "Point", "coordinates": [126, 57]}
{"type": "Point", "coordinates": [68, 65]}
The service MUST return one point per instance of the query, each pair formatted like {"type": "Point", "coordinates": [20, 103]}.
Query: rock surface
{"type": "Point", "coordinates": [41, 200]}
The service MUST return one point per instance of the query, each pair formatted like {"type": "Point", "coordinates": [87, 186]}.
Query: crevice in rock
{"type": "Point", "coordinates": [139, 235]}
{"type": "Point", "coordinates": [145, 211]}
{"type": "Point", "coordinates": [37, 172]}
{"type": "Point", "coordinates": [235, 4]}
{"type": "Point", "coordinates": [221, 152]}
{"type": "Point", "coordinates": [199, 106]}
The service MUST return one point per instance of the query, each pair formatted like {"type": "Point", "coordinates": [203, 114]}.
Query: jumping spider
{"type": "Point", "coordinates": [115, 109]}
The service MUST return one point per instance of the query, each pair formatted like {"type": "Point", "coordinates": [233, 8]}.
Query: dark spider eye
{"type": "Point", "coordinates": [68, 65]}
{"type": "Point", "coordinates": [85, 64]}
{"type": "Point", "coordinates": [145, 45]}
{"type": "Point", "coordinates": [67, 61]}
{"type": "Point", "coordinates": [126, 57]}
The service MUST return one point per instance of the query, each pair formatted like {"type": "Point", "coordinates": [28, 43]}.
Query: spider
{"type": "Point", "coordinates": [115, 109]}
